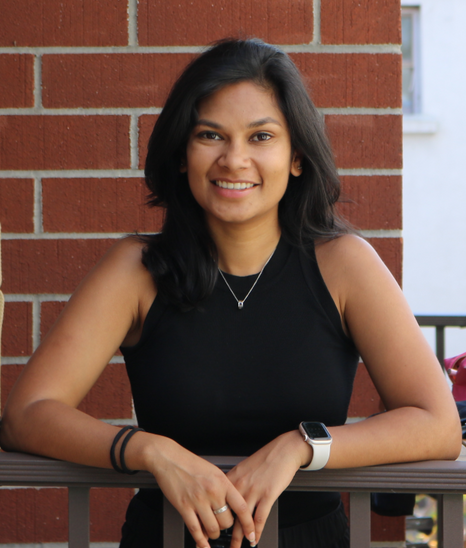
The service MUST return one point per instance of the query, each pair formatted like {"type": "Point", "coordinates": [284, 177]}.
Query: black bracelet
{"type": "Point", "coordinates": [126, 470]}
{"type": "Point", "coordinates": [114, 444]}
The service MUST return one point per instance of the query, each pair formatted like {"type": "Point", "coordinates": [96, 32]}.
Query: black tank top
{"type": "Point", "coordinates": [224, 381]}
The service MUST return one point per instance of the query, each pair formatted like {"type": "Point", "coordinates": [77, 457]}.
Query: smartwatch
{"type": "Point", "coordinates": [319, 438]}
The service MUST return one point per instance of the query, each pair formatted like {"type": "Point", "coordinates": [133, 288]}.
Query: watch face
{"type": "Point", "coordinates": [316, 430]}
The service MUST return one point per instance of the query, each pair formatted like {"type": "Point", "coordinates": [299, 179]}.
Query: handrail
{"type": "Point", "coordinates": [440, 322]}
{"type": "Point", "coordinates": [445, 478]}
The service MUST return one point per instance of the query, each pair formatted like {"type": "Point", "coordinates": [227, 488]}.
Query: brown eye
{"type": "Point", "coordinates": [262, 136]}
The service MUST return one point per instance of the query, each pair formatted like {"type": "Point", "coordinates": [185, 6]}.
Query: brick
{"type": "Point", "coordinates": [49, 312]}
{"type": "Point", "coordinates": [391, 253]}
{"type": "Point", "coordinates": [41, 515]}
{"type": "Point", "coordinates": [365, 400]}
{"type": "Point", "coordinates": [388, 529]}
{"type": "Point", "coordinates": [360, 22]}
{"type": "Point", "coordinates": [17, 205]}
{"type": "Point", "coordinates": [162, 23]}
{"type": "Point", "coordinates": [366, 141]}
{"type": "Point", "coordinates": [109, 398]}
{"type": "Point", "coordinates": [372, 203]}
{"type": "Point", "coordinates": [352, 80]}
{"type": "Point", "coordinates": [97, 205]}
{"type": "Point", "coordinates": [17, 329]}
{"type": "Point", "coordinates": [64, 142]}
{"type": "Point", "coordinates": [146, 125]}
{"type": "Point", "coordinates": [9, 375]}
{"type": "Point", "coordinates": [107, 513]}
{"type": "Point", "coordinates": [16, 80]}
{"type": "Point", "coordinates": [117, 80]}
{"type": "Point", "coordinates": [48, 266]}
{"type": "Point", "coordinates": [64, 23]}
{"type": "Point", "coordinates": [34, 515]}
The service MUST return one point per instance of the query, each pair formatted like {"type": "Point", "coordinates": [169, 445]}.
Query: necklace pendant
{"type": "Point", "coordinates": [240, 305]}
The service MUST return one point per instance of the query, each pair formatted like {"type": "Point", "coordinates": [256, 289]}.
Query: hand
{"type": "Point", "coordinates": [263, 476]}
{"type": "Point", "coordinates": [196, 488]}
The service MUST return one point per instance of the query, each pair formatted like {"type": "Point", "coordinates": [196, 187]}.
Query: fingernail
{"type": "Point", "coordinates": [252, 537]}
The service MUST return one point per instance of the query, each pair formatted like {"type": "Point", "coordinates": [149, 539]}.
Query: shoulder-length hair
{"type": "Point", "coordinates": [182, 259]}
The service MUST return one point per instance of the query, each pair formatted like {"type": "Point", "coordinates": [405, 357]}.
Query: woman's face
{"type": "Point", "coordinates": [239, 157]}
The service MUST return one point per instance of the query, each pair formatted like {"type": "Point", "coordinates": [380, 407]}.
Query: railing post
{"type": "Point", "coordinates": [450, 521]}
{"type": "Point", "coordinates": [269, 538]}
{"type": "Point", "coordinates": [78, 517]}
{"type": "Point", "coordinates": [360, 520]}
{"type": "Point", "coordinates": [173, 526]}
{"type": "Point", "coordinates": [440, 343]}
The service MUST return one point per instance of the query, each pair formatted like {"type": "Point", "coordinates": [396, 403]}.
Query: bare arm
{"type": "Point", "coordinates": [40, 416]}
{"type": "Point", "coordinates": [422, 420]}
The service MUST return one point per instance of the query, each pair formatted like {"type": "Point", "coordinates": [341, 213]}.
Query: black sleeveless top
{"type": "Point", "coordinates": [224, 381]}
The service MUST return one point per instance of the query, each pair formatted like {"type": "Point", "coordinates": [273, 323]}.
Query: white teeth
{"type": "Point", "coordinates": [234, 186]}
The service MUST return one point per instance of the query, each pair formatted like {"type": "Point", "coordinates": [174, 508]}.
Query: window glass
{"type": "Point", "coordinates": [409, 49]}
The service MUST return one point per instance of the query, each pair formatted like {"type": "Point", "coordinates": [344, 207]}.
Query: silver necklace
{"type": "Point", "coordinates": [241, 303]}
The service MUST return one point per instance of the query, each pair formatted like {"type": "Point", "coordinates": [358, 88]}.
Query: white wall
{"type": "Point", "coordinates": [434, 176]}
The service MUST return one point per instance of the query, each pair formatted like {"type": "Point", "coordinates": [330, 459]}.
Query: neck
{"type": "Point", "coordinates": [243, 251]}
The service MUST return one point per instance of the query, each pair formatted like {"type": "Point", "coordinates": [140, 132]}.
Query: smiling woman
{"type": "Point", "coordinates": [241, 325]}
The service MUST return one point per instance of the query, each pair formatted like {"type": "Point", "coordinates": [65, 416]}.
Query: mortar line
{"type": "Point", "coordinates": [36, 310]}
{"type": "Point", "coordinates": [38, 221]}
{"type": "Point", "coordinates": [132, 22]}
{"type": "Point", "coordinates": [38, 81]}
{"type": "Point", "coordinates": [133, 141]}
{"type": "Point", "coordinates": [316, 39]}
{"type": "Point", "coordinates": [128, 111]}
{"type": "Point", "coordinates": [104, 111]}
{"type": "Point", "coordinates": [29, 297]}
{"type": "Point", "coordinates": [296, 48]}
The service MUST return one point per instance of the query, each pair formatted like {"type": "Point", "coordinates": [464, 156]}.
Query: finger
{"type": "Point", "coordinates": [260, 517]}
{"type": "Point", "coordinates": [209, 522]}
{"type": "Point", "coordinates": [194, 527]}
{"type": "Point", "coordinates": [237, 535]}
{"type": "Point", "coordinates": [243, 515]}
{"type": "Point", "coordinates": [225, 519]}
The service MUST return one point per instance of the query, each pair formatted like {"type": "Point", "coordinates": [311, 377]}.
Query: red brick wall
{"type": "Point", "coordinates": [81, 83]}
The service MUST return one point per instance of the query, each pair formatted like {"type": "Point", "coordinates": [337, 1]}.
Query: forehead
{"type": "Point", "coordinates": [244, 99]}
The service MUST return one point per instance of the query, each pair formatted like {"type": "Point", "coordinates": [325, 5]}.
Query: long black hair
{"type": "Point", "coordinates": [182, 259]}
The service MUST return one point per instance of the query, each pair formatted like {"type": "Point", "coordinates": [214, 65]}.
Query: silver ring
{"type": "Point", "coordinates": [221, 510]}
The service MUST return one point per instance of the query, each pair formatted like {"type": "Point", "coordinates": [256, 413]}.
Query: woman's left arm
{"type": "Point", "coordinates": [421, 422]}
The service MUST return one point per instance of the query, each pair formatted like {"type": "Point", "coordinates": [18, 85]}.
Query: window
{"type": "Point", "coordinates": [410, 51]}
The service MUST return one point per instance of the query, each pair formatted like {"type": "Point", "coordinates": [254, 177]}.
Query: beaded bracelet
{"type": "Point", "coordinates": [123, 469]}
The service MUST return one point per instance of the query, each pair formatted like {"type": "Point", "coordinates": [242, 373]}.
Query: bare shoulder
{"type": "Point", "coordinates": [348, 264]}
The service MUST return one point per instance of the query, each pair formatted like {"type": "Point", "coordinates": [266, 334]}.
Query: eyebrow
{"type": "Point", "coordinates": [256, 123]}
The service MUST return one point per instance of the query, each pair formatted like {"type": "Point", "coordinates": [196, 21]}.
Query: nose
{"type": "Point", "coordinates": [235, 155]}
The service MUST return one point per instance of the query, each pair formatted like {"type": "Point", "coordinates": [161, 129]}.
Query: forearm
{"type": "Point", "coordinates": [53, 429]}
{"type": "Point", "coordinates": [406, 434]}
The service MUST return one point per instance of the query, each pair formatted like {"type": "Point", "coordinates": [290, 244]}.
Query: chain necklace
{"type": "Point", "coordinates": [241, 303]}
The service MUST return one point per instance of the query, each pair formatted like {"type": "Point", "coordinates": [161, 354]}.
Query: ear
{"type": "Point", "coordinates": [296, 165]}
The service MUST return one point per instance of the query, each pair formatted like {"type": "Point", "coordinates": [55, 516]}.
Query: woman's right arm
{"type": "Point", "coordinates": [41, 415]}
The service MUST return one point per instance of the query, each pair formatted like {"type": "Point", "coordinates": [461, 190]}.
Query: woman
{"type": "Point", "coordinates": [244, 317]}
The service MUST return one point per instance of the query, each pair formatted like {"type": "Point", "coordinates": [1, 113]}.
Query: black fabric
{"type": "Point", "coordinates": [143, 529]}
{"type": "Point", "coordinates": [223, 381]}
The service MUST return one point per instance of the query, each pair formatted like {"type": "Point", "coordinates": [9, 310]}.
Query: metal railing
{"type": "Point", "coordinates": [440, 323]}
{"type": "Point", "coordinates": [447, 479]}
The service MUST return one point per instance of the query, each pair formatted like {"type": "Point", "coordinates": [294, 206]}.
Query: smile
{"type": "Point", "coordinates": [233, 186]}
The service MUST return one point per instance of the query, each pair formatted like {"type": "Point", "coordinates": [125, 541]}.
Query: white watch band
{"type": "Point", "coordinates": [321, 454]}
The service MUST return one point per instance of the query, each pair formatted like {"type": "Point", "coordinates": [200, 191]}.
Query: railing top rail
{"type": "Point", "coordinates": [18, 469]}
{"type": "Point", "coordinates": [445, 321]}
